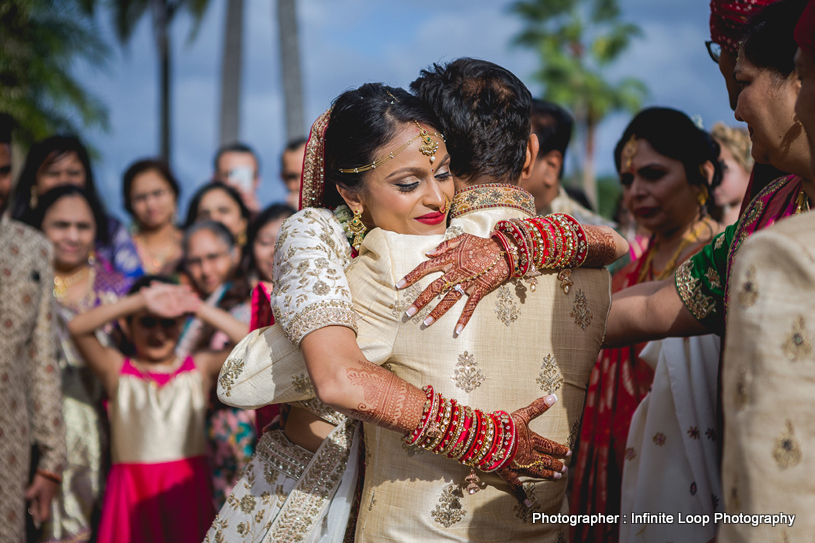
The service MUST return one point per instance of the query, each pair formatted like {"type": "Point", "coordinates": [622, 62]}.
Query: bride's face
{"type": "Point", "coordinates": [408, 194]}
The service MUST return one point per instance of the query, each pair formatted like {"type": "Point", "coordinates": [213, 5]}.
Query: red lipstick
{"type": "Point", "coordinates": [432, 218]}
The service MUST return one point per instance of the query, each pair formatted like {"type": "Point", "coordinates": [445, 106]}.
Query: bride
{"type": "Point", "coordinates": [296, 469]}
{"type": "Point", "coordinates": [377, 159]}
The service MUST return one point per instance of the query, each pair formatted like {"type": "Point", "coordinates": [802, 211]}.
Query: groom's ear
{"type": "Point", "coordinates": [351, 197]}
{"type": "Point", "coordinates": [532, 147]}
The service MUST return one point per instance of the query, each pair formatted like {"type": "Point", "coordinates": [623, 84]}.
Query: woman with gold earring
{"type": "Point", "coordinates": [63, 160]}
{"type": "Point", "coordinates": [151, 197]}
{"type": "Point", "coordinates": [74, 224]}
{"type": "Point", "coordinates": [668, 167]}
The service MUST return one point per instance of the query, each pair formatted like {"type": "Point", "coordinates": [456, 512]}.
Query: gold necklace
{"type": "Point", "coordinates": [667, 271]}
{"type": "Point", "coordinates": [61, 285]}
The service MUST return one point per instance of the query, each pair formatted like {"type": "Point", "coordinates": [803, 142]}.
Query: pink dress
{"type": "Point", "coordinates": [158, 489]}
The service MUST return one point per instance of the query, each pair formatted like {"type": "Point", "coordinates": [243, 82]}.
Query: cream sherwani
{"type": "Point", "coordinates": [768, 384]}
{"type": "Point", "coordinates": [520, 345]}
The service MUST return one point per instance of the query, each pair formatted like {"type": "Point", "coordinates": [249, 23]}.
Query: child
{"type": "Point", "coordinates": [158, 488]}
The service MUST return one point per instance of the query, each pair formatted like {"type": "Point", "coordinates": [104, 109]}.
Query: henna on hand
{"type": "Point", "coordinates": [602, 250]}
{"type": "Point", "coordinates": [389, 401]}
{"type": "Point", "coordinates": [534, 453]}
{"type": "Point", "coordinates": [477, 264]}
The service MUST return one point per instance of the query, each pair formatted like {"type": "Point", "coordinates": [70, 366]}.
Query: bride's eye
{"type": "Point", "coordinates": [443, 175]}
{"type": "Point", "coordinates": [408, 187]}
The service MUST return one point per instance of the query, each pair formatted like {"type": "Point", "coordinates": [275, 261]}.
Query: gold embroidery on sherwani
{"type": "Point", "coordinates": [230, 371]}
{"type": "Point", "coordinates": [449, 511]}
{"type": "Point", "coordinates": [505, 306]}
{"type": "Point", "coordinates": [787, 451]}
{"type": "Point", "coordinates": [303, 385]}
{"type": "Point", "coordinates": [690, 290]}
{"type": "Point", "coordinates": [549, 377]}
{"type": "Point", "coordinates": [713, 278]}
{"type": "Point", "coordinates": [522, 511]}
{"type": "Point", "coordinates": [405, 299]}
{"type": "Point", "coordinates": [479, 197]}
{"type": "Point", "coordinates": [581, 313]}
{"type": "Point", "coordinates": [748, 292]}
{"type": "Point", "coordinates": [799, 342]}
{"type": "Point", "coordinates": [467, 376]}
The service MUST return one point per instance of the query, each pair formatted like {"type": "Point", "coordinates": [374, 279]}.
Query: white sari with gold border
{"type": "Point", "coordinates": [287, 493]}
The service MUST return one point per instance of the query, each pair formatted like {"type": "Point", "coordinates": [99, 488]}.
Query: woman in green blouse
{"type": "Point", "coordinates": [695, 300]}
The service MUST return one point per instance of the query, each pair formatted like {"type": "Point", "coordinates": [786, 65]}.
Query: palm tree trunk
{"type": "Point", "coordinates": [231, 72]}
{"type": "Point", "coordinates": [161, 25]}
{"type": "Point", "coordinates": [290, 66]}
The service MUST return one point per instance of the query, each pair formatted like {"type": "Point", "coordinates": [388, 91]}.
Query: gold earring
{"type": "Point", "coordinates": [241, 239]}
{"type": "Point", "coordinates": [702, 196]}
{"type": "Point", "coordinates": [357, 227]}
{"type": "Point", "coordinates": [33, 200]}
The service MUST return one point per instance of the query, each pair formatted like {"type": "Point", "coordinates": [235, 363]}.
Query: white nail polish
{"type": "Point", "coordinates": [459, 330]}
{"type": "Point", "coordinates": [411, 311]}
{"type": "Point", "coordinates": [429, 320]}
{"type": "Point", "coordinates": [558, 475]}
{"type": "Point", "coordinates": [400, 284]}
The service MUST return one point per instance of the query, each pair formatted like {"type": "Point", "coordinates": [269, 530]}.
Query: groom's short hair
{"type": "Point", "coordinates": [485, 117]}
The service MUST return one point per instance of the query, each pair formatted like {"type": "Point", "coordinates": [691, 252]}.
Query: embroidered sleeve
{"type": "Point", "coordinates": [311, 290]}
{"type": "Point", "coordinates": [701, 281]}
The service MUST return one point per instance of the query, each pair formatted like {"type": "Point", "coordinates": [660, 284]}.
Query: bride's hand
{"type": "Point", "coordinates": [472, 265]}
{"type": "Point", "coordinates": [534, 453]}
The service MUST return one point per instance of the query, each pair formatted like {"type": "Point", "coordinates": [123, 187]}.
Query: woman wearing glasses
{"type": "Point", "coordinates": [212, 261]}
{"type": "Point", "coordinates": [151, 197]}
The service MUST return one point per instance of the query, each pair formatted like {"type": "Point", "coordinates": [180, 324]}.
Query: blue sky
{"type": "Point", "coordinates": [345, 43]}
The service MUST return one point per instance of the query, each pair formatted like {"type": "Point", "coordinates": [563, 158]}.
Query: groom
{"type": "Point", "coordinates": [519, 345]}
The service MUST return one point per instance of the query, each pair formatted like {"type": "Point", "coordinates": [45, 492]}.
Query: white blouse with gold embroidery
{"type": "Point", "coordinates": [311, 290]}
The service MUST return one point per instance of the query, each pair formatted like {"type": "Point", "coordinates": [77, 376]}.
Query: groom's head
{"type": "Point", "coordinates": [485, 117]}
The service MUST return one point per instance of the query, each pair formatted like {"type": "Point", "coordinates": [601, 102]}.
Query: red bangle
{"type": "Point", "coordinates": [498, 437]}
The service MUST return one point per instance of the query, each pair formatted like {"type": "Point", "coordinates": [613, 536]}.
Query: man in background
{"type": "Point", "coordinates": [553, 126]}
{"type": "Point", "coordinates": [291, 169]}
{"type": "Point", "coordinates": [30, 392]}
{"type": "Point", "coordinates": [237, 165]}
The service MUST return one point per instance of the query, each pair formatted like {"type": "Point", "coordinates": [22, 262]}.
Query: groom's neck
{"type": "Point", "coordinates": [485, 180]}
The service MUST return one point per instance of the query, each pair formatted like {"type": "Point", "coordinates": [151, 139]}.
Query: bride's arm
{"type": "Point", "coordinates": [517, 248]}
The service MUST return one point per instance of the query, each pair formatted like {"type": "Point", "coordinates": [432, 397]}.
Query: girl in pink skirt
{"type": "Point", "coordinates": [158, 489]}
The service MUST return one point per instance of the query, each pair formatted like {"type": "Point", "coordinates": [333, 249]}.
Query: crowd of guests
{"type": "Point", "coordinates": [222, 249]}
{"type": "Point", "coordinates": [127, 411]}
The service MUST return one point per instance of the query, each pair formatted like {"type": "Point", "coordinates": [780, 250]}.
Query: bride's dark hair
{"type": "Point", "coordinates": [363, 120]}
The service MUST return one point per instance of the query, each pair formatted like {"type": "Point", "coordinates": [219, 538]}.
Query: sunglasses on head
{"type": "Point", "coordinates": [152, 322]}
